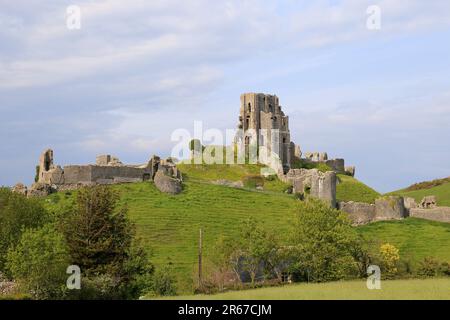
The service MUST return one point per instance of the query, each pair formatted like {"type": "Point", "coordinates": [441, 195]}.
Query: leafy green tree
{"type": "Point", "coordinates": [101, 240]}
{"type": "Point", "coordinates": [253, 251]}
{"type": "Point", "coordinates": [322, 243]}
{"type": "Point", "coordinates": [16, 213]}
{"type": "Point", "coordinates": [256, 245]}
{"type": "Point", "coordinates": [39, 263]}
{"type": "Point", "coordinates": [224, 258]}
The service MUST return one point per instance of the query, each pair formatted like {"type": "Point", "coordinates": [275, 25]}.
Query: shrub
{"type": "Point", "coordinates": [445, 269]}
{"type": "Point", "coordinates": [39, 263]}
{"type": "Point", "coordinates": [16, 213]}
{"type": "Point", "coordinates": [389, 255]}
{"type": "Point", "coordinates": [164, 281]}
{"type": "Point", "coordinates": [429, 267]}
{"type": "Point", "coordinates": [99, 287]}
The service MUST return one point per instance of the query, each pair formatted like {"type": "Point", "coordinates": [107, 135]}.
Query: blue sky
{"type": "Point", "coordinates": [137, 70]}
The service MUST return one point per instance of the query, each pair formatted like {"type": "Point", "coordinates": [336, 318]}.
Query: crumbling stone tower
{"type": "Point", "coordinates": [263, 111]}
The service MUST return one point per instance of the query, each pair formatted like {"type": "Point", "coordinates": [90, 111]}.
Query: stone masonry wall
{"type": "Point", "coordinates": [441, 214]}
{"type": "Point", "coordinates": [385, 208]}
{"type": "Point", "coordinates": [321, 185]}
{"type": "Point", "coordinates": [358, 212]}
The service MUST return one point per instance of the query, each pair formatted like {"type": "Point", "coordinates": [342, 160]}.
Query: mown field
{"type": "Point", "coordinates": [169, 225]}
{"type": "Point", "coordinates": [414, 289]}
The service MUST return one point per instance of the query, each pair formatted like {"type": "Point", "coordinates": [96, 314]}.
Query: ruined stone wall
{"type": "Point", "coordinates": [358, 212]}
{"type": "Point", "coordinates": [87, 174]}
{"type": "Point", "coordinates": [441, 214]}
{"type": "Point", "coordinates": [385, 208]}
{"type": "Point", "coordinates": [390, 208]}
{"type": "Point", "coordinates": [107, 170]}
{"type": "Point", "coordinates": [320, 185]}
{"type": "Point", "coordinates": [323, 186]}
{"type": "Point", "coordinates": [78, 174]}
{"type": "Point", "coordinates": [108, 174]}
{"type": "Point", "coordinates": [337, 165]}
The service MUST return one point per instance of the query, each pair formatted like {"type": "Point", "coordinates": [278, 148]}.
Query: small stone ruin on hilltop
{"type": "Point", "coordinates": [106, 170]}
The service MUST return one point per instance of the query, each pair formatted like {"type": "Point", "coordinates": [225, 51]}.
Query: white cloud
{"type": "Point", "coordinates": [154, 65]}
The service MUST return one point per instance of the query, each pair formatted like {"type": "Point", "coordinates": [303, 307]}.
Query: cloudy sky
{"type": "Point", "coordinates": [137, 70]}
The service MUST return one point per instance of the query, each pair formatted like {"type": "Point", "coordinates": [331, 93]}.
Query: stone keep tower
{"type": "Point", "coordinates": [263, 111]}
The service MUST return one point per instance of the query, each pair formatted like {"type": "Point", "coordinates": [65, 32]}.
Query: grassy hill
{"type": "Point", "coordinates": [433, 289]}
{"type": "Point", "coordinates": [441, 191]}
{"type": "Point", "coordinates": [415, 238]}
{"type": "Point", "coordinates": [169, 225]}
{"type": "Point", "coordinates": [351, 189]}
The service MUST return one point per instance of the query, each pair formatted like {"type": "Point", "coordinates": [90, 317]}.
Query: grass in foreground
{"type": "Point", "coordinates": [414, 289]}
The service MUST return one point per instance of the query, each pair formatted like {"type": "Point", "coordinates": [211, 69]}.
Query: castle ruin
{"type": "Point", "coordinates": [106, 170]}
{"type": "Point", "coordinates": [262, 119]}
{"type": "Point", "coordinates": [266, 126]}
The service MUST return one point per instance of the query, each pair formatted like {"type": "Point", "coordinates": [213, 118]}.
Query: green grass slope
{"type": "Point", "coordinates": [415, 238]}
{"type": "Point", "coordinates": [442, 193]}
{"type": "Point", "coordinates": [169, 225]}
{"type": "Point", "coordinates": [350, 189]}
{"type": "Point", "coordinates": [432, 289]}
